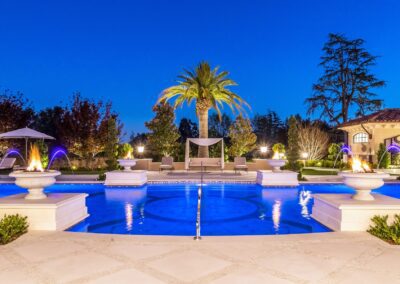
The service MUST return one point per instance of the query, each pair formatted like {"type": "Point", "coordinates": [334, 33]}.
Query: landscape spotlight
{"type": "Point", "coordinates": [140, 149]}
{"type": "Point", "coordinates": [264, 149]}
{"type": "Point", "coordinates": [304, 155]}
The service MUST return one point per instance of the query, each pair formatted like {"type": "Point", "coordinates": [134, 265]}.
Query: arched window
{"type": "Point", "coordinates": [360, 138]}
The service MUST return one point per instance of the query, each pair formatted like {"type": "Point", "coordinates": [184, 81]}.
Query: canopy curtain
{"type": "Point", "coordinates": [203, 142]}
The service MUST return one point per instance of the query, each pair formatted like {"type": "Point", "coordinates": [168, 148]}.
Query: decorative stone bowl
{"type": "Point", "coordinates": [363, 183]}
{"type": "Point", "coordinates": [127, 164]}
{"type": "Point", "coordinates": [276, 164]}
{"type": "Point", "coordinates": [35, 182]}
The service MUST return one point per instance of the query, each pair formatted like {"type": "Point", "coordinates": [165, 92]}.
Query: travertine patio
{"type": "Point", "coordinates": [64, 257]}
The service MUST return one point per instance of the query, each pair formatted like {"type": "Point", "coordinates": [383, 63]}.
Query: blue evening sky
{"type": "Point", "coordinates": [129, 51]}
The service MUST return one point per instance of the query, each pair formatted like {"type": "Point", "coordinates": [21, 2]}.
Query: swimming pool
{"type": "Point", "coordinates": [227, 209]}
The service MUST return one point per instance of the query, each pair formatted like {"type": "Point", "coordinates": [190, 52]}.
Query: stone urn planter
{"type": "Point", "coordinates": [363, 183]}
{"type": "Point", "coordinates": [127, 164]}
{"type": "Point", "coordinates": [35, 182]}
{"type": "Point", "coordinates": [276, 164]}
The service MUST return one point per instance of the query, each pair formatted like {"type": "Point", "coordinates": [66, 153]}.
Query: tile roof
{"type": "Point", "coordinates": [385, 115]}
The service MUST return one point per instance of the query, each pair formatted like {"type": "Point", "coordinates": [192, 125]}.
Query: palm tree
{"type": "Point", "coordinates": [209, 89]}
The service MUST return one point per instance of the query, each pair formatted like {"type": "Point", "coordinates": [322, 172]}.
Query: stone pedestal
{"type": "Point", "coordinates": [340, 212]}
{"type": "Point", "coordinates": [277, 178]}
{"type": "Point", "coordinates": [57, 212]}
{"type": "Point", "coordinates": [126, 178]}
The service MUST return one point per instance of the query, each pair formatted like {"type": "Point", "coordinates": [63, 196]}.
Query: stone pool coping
{"type": "Point", "coordinates": [44, 257]}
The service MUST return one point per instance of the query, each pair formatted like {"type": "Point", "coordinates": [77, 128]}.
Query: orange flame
{"type": "Point", "coordinates": [359, 166]}
{"type": "Point", "coordinates": [35, 164]}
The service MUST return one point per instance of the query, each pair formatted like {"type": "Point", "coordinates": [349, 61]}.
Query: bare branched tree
{"type": "Point", "coordinates": [313, 141]}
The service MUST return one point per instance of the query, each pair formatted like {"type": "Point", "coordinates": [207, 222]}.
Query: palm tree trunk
{"type": "Point", "coordinates": [203, 133]}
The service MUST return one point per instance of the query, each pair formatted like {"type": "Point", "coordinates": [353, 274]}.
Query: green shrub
{"type": "Point", "coordinates": [102, 177]}
{"type": "Point", "coordinates": [12, 227]}
{"type": "Point", "coordinates": [384, 231]}
{"type": "Point", "coordinates": [383, 157]}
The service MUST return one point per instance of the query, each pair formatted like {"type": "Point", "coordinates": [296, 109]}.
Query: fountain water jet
{"type": "Point", "coordinates": [13, 151]}
{"type": "Point", "coordinates": [391, 147]}
{"type": "Point", "coordinates": [57, 153]}
{"type": "Point", "coordinates": [343, 149]}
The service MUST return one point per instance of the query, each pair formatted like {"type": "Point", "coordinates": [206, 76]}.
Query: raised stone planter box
{"type": "Point", "coordinates": [340, 212]}
{"type": "Point", "coordinates": [57, 212]}
{"type": "Point", "coordinates": [277, 178]}
{"type": "Point", "coordinates": [126, 178]}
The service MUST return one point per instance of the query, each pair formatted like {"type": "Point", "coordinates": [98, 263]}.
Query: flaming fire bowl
{"type": "Point", "coordinates": [363, 183]}
{"type": "Point", "coordinates": [35, 182]}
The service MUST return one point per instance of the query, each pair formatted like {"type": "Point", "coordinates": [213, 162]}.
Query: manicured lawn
{"type": "Point", "coordinates": [314, 172]}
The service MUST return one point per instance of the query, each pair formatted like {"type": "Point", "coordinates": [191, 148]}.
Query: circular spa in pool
{"type": "Point", "coordinates": [227, 209]}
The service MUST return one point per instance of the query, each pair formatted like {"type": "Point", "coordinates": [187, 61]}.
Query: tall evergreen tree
{"type": "Point", "coordinates": [347, 81]}
{"type": "Point", "coordinates": [163, 136]}
{"type": "Point", "coordinates": [293, 151]}
{"type": "Point", "coordinates": [111, 147]}
{"type": "Point", "coordinates": [269, 128]}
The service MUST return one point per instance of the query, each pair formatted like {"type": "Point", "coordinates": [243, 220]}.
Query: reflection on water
{"type": "Point", "coordinates": [276, 214]}
{"type": "Point", "coordinates": [128, 216]}
{"type": "Point", "coordinates": [304, 199]}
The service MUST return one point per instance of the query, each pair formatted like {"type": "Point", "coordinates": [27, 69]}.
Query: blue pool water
{"type": "Point", "coordinates": [227, 209]}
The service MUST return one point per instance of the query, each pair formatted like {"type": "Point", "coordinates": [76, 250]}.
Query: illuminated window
{"type": "Point", "coordinates": [360, 138]}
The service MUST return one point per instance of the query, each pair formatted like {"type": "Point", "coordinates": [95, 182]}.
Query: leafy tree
{"type": "Point", "coordinates": [243, 140]}
{"type": "Point", "coordinates": [383, 157]}
{"type": "Point", "coordinates": [111, 146]}
{"type": "Point", "coordinates": [219, 126]}
{"type": "Point", "coordinates": [49, 121]}
{"type": "Point", "coordinates": [347, 82]}
{"type": "Point", "coordinates": [209, 89]}
{"type": "Point", "coordinates": [187, 129]}
{"type": "Point", "coordinates": [15, 112]}
{"type": "Point", "coordinates": [163, 136]}
{"type": "Point", "coordinates": [84, 129]}
{"type": "Point", "coordinates": [293, 154]}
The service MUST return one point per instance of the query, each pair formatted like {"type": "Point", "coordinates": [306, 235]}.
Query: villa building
{"type": "Point", "coordinates": [364, 134]}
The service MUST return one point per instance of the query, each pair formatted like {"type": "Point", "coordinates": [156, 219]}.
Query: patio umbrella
{"type": "Point", "coordinates": [25, 133]}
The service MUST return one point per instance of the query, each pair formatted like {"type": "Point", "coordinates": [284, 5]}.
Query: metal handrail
{"type": "Point", "coordinates": [198, 215]}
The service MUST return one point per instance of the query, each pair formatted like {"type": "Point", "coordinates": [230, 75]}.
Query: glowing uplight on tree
{"type": "Point", "coordinates": [35, 164]}
{"type": "Point", "coordinates": [264, 149]}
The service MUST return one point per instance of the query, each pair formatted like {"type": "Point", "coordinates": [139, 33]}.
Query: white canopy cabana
{"type": "Point", "coordinates": [203, 142]}
{"type": "Point", "coordinates": [25, 133]}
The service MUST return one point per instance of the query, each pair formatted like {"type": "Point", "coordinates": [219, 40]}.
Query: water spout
{"type": "Point", "coordinates": [391, 147]}
{"type": "Point", "coordinates": [11, 152]}
{"type": "Point", "coordinates": [58, 153]}
{"type": "Point", "coordinates": [343, 149]}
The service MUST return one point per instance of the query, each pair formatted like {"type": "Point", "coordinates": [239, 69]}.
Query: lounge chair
{"type": "Point", "coordinates": [7, 163]}
{"type": "Point", "coordinates": [240, 164]}
{"type": "Point", "coordinates": [167, 163]}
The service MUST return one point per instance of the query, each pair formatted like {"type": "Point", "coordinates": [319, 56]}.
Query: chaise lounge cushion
{"type": "Point", "coordinates": [205, 162]}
